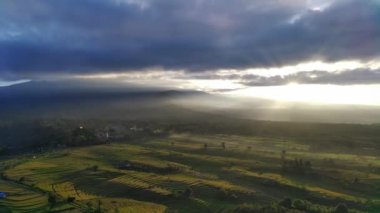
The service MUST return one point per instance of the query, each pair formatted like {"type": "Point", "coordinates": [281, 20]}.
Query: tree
{"type": "Point", "coordinates": [356, 180]}
{"type": "Point", "coordinates": [21, 179]}
{"type": "Point", "coordinates": [283, 155]}
{"type": "Point", "coordinates": [83, 136]}
{"type": "Point", "coordinates": [223, 194]}
{"type": "Point", "coordinates": [70, 199]}
{"type": "Point", "coordinates": [299, 166]}
{"type": "Point", "coordinates": [300, 205]}
{"type": "Point", "coordinates": [188, 193]}
{"type": "Point", "coordinates": [99, 210]}
{"type": "Point", "coordinates": [308, 165]}
{"type": "Point", "coordinates": [52, 199]}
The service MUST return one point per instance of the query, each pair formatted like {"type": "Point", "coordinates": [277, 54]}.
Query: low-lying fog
{"type": "Point", "coordinates": [94, 100]}
{"type": "Point", "coordinates": [263, 109]}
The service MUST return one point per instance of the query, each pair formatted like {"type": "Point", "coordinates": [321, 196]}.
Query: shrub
{"type": "Point", "coordinates": [341, 208]}
{"type": "Point", "coordinates": [233, 197]}
{"type": "Point", "coordinates": [70, 199]}
{"type": "Point", "coordinates": [52, 199]}
{"type": "Point", "coordinates": [188, 193]}
{"type": "Point", "coordinates": [247, 208]}
{"type": "Point", "coordinates": [225, 195]}
{"type": "Point", "coordinates": [287, 203]}
{"type": "Point", "coordinates": [301, 205]}
{"type": "Point", "coordinates": [21, 179]}
{"type": "Point", "coordinates": [177, 194]}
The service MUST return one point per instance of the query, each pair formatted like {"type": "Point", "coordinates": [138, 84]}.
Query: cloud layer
{"type": "Point", "coordinates": [316, 77]}
{"type": "Point", "coordinates": [50, 37]}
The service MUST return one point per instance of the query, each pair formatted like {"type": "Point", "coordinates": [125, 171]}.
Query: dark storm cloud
{"type": "Point", "coordinates": [353, 77]}
{"type": "Point", "coordinates": [39, 37]}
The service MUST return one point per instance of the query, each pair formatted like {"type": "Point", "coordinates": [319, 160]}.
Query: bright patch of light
{"type": "Point", "coordinates": [10, 83]}
{"type": "Point", "coordinates": [374, 65]}
{"type": "Point", "coordinates": [317, 94]}
{"type": "Point", "coordinates": [340, 66]}
{"type": "Point", "coordinates": [292, 83]}
{"type": "Point", "coordinates": [295, 18]}
{"type": "Point", "coordinates": [220, 81]}
{"type": "Point", "coordinates": [212, 85]}
{"type": "Point", "coordinates": [321, 7]}
{"type": "Point", "coordinates": [166, 78]}
{"type": "Point", "coordinates": [314, 6]}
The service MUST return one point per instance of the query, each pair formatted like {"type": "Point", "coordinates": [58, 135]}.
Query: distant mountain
{"type": "Point", "coordinates": [84, 98]}
{"type": "Point", "coordinates": [106, 99]}
{"type": "Point", "coordinates": [83, 89]}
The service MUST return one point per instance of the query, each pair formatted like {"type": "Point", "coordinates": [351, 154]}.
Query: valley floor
{"type": "Point", "coordinates": [191, 173]}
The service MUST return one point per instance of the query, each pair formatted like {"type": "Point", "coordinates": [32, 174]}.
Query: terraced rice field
{"type": "Point", "coordinates": [21, 199]}
{"type": "Point", "coordinates": [179, 174]}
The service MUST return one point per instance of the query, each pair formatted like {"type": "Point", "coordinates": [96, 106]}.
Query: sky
{"type": "Point", "coordinates": [316, 51]}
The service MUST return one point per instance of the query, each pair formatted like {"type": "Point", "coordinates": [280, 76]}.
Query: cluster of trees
{"type": "Point", "coordinates": [304, 205]}
{"type": "Point", "coordinates": [225, 195]}
{"type": "Point", "coordinates": [343, 138]}
{"type": "Point", "coordinates": [289, 205]}
{"type": "Point", "coordinates": [95, 209]}
{"type": "Point", "coordinates": [56, 137]}
{"type": "Point", "coordinates": [38, 136]}
{"type": "Point", "coordinates": [183, 194]}
{"type": "Point", "coordinates": [297, 166]}
{"type": "Point", "coordinates": [82, 136]}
